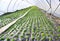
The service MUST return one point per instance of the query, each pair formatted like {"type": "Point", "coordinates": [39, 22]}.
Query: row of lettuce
{"type": "Point", "coordinates": [34, 26]}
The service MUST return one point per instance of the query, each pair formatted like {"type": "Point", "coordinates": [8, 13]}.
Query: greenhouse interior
{"type": "Point", "coordinates": [29, 20]}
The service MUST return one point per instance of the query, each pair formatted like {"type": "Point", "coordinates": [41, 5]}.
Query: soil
{"type": "Point", "coordinates": [55, 19]}
{"type": "Point", "coordinates": [52, 18]}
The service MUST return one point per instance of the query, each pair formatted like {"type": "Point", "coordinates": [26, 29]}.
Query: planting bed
{"type": "Point", "coordinates": [35, 26]}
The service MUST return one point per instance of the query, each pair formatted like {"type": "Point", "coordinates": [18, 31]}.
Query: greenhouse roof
{"type": "Point", "coordinates": [13, 5]}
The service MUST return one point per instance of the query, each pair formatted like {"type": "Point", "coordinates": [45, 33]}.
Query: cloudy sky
{"type": "Point", "coordinates": [13, 5]}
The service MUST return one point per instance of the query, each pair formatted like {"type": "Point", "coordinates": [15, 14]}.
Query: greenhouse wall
{"type": "Point", "coordinates": [12, 5]}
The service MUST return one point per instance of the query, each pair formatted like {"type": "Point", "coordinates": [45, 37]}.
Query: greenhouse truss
{"type": "Point", "coordinates": [29, 20]}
